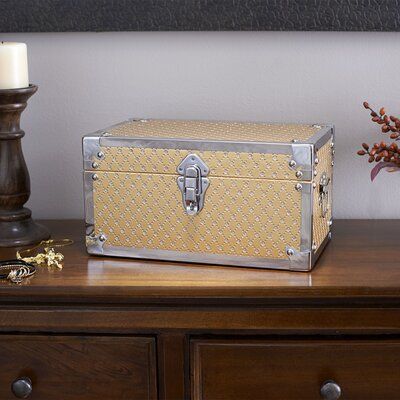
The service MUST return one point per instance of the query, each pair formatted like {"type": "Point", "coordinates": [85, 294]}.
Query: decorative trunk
{"type": "Point", "coordinates": [243, 194]}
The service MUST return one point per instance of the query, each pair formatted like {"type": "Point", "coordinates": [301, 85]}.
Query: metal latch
{"type": "Point", "coordinates": [192, 183]}
{"type": "Point", "coordinates": [324, 194]}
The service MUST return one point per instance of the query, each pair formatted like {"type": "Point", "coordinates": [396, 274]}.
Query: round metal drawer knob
{"type": "Point", "coordinates": [330, 390]}
{"type": "Point", "coordinates": [22, 388]}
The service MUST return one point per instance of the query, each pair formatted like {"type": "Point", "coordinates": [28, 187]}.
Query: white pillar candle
{"type": "Point", "coordinates": [13, 65]}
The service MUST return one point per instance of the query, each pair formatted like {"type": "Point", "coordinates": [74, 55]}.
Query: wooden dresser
{"type": "Point", "coordinates": [118, 329]}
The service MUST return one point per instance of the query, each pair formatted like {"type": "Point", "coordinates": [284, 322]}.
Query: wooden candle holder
{"type": "Point", "coordinates": [16, 225]}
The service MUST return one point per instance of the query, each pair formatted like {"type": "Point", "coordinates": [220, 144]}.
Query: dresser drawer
{"type": "Point", "coordinates": [286, 370]}
{"type": "Point", "coordinates": [78, 368]}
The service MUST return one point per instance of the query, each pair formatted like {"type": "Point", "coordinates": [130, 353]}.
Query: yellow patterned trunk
{"type": "Point", "coordinates": [243, 194]}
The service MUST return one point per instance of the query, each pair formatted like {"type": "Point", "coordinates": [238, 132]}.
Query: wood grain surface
{"type": "Point", "coordinates": [189, 331]}
{"type": "Point", "coordinates": [361, 262]}
{"type": "Point", "coordinates": [80, 368]}
{"type": "Point", "coordinates": [293, 369]}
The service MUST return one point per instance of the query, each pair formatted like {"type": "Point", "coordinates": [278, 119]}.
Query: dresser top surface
{"type": "Point", "coordinates": [362, 261]}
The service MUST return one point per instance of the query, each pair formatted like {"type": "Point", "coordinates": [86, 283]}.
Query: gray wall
{"type": "Point", "coordinates": [90, 80]}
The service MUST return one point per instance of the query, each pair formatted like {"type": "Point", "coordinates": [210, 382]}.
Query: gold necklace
{"type": "Point", "coordinates": [49, 256]}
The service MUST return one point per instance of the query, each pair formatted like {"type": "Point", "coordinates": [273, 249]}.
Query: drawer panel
{"type": "Point", "coordinates": [79, 368]}
{"type": "Point", "coordinates": [285, 370]}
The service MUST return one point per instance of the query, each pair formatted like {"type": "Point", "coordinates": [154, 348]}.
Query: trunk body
{"type": "Point", "coordinates": [242, 194]}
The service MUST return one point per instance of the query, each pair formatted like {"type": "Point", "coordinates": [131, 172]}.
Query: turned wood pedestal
{"type": "Point", "coordinates": [112, 329]}
{"type": "Point", "coordinates": [16, 225]}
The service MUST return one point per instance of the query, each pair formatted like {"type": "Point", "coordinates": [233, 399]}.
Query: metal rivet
{"type": "Point", "coordinates": [292, 163]}
{"type": "Point", "coordinates": [314, 185]}
{"type": "Point", "coordinates": [330, 222]}
{"type": "Point", "coordinates": [314, 247]}
{"type": "Point", "coordinates": [315, 173]}
{"type": "Point", "coordinates": [299, 186]}
{"type": "Point", "coordinates": [299, 174]}
{"type": "Point", "coordinates": [317, 126]}
{"type": "Point", "coordinates": [100, 155]}
{"type": "Point", "coordinates": [330, 235]}
{"type": "Point", "coordinates": [290, 252]}
{"type": "Point", "coordinates": [332, 145]}
{"type": "Point", "coordinates": [332, 163]}
{"type": "Point", "coordinates": [143, 120]}
{"type": "Point", "coordinates": [294, 140]}
{"type": "Point", "coordinates": [106, 134]}
{"type": "Point", "coordinates": [316, 161]}
{"type": "Point", "coordinates": [95, 164]}
{"type": "Point", "coordinates": [102, 238]}
{"type": "Point", "coordinates": [95, 177]}
{"type": "Point", "coordinates": [333, 152]}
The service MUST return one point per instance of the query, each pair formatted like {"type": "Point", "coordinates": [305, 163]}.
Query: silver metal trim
{"type": "Point", "coordinates": [96, 134]}
{"type": "Point", "coordinates": [196, 206]}
{"type": "Point", "coordinates": [299, 260]}
{"type": "Point", "coordinates": [311, 219]}
{"type": "Point", "coordinates": [332, 175]}
{"type": "Point", "coordinates": [95, 244]}
{"type": "Point", "coordinates": [301, 152]}
{"type": "Point", "coordinates": [316, 254]}
{"type": "Point", "coordinates": [324, 197]}
{"type": "Point", "coordinates": [192, 183]}
{"type": "Point", "coordinates": [89, 230]}
{"type": "Point", "coordinates": [300, 264]}
{"type": "Point", "coordinates": [306, 217]}
{"type": "Point", "coordinates": [88, 197]}
{"type": "Point", "coordinates": [322, 136]}
{"type": "Point", "coordinates": [197, 144]}
{"type": "Point", "coordinates": [100, 155]}
{"type": "Point", "coordinates": [91, 144]}
{"type": "Point", "coordinates": [193, 159]}
{"type": "Point", "coordinates": [319, 140]}
{"type": "Point", "coordinates": [90, 147]}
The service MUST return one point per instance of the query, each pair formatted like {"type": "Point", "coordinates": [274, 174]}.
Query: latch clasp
{"type": "Point", "coordinates": [324, 194]}
{"type": "Point", "coordinates": [193, 183]}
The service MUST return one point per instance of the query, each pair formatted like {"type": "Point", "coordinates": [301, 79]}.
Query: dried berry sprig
{"type": "Point", "coordinates": [388, 123]}
{"type": "Point", "coordinates": [381, 152]}
{"type": "Point", "coordinates": [386, 156]}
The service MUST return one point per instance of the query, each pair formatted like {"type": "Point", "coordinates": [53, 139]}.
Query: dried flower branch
{"type": "Point", "coordinates": [389, 123]}
{"type": "Point", "coordinates": [386, 155]}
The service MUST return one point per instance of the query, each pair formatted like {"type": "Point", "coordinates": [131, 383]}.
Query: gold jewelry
{"type": "Point", "coordinates": [16, 270]}
{"type": "Point", "coordinates": [49, 256]}
{"type": "Point", "coordinates": [18, 275]}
